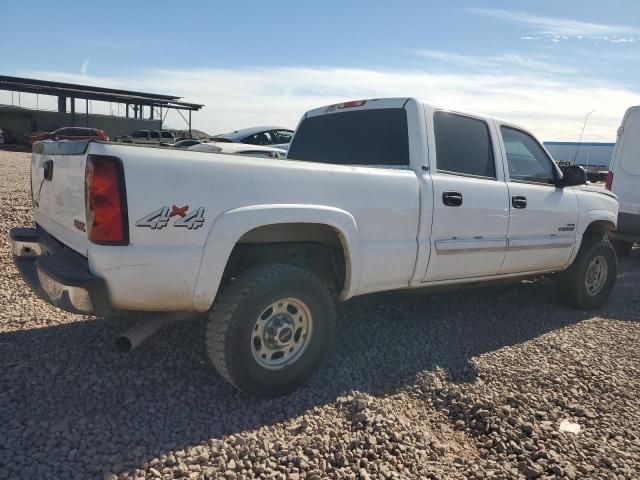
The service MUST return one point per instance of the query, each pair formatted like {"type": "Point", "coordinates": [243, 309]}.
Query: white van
{"type": "Point", "coordinates": [624, 181]}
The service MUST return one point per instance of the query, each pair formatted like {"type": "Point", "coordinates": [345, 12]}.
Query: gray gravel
{"type": "Point", "coordinates": [471, 384]}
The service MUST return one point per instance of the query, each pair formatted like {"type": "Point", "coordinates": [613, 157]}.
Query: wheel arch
{"type": "Point", "coordinates": [599, 228]}
{"type": "Point", "coordinates": [599, 224]}
{"type": "Point", "coordinates": [240, 224]}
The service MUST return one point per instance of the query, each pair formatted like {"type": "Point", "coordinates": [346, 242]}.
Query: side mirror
{"type": "Point", "coordinates": [573, 175]}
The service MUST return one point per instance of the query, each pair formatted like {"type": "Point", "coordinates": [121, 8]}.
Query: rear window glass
{"type": "Point", "coordinates": [362, 137]}
{"type": "Point", "coordinates": [463, 145]}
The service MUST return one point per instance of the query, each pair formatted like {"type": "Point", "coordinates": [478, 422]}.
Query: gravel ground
{"type": "Point", "coordinates": [470, 384]}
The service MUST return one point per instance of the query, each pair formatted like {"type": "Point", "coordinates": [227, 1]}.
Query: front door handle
{"type": "Point", "coordinates": [519, 201]}
{"type": "Point", "coordinates": [452, 199]}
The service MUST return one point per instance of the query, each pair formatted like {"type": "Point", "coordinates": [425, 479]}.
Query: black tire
{"type": "Point", "coordinates": [234, 315]}
{"type": "Point", "coordinates": [572, 282]}
{"type": "Point", "coordinates": [623, 248]}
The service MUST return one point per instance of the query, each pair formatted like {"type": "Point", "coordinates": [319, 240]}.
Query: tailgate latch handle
{"type": "Point", "coordinates": [48, 169]}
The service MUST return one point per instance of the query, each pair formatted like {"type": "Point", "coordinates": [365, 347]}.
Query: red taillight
{"type": "Point", "coordinates": [351, 104]}
{"type": "Point", "coordinates": [105, 199]}
{"type": "Point", "coordinates": [609, 181]}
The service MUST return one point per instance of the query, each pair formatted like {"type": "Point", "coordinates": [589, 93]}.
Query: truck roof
{"type": "Point", "coordinates": [392, 102]}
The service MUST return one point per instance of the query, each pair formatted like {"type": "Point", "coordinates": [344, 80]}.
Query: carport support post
{"type": "Point", "coordinates": [87, 114]}
{"type": "Point", "coordinates": [73, 110]}
{"type": "Point", "coordinates": [127, 110]}
{"type": "Point", "coordinates": [62, 104]}
{"type": "Point", "coordinates": [190, 124]}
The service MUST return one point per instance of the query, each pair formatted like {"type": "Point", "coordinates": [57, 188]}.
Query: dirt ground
{"type": "Point", "coordinates": [470, 384]}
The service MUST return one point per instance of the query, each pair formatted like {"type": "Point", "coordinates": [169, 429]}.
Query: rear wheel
{"type": "Point", "coordinates": [587, 283]}
{"type": "Point", "coordinates": [270, 329]}
{"type": "Point", "coordinates": [623, 248]}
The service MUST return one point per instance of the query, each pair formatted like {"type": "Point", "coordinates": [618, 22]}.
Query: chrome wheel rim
{"type": "Point", "coordinates": [596, 275]}
{"type": "Point", "coordinates": [281, 333]}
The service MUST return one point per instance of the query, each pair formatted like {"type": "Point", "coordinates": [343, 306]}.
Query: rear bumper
{"type": "Point", "coordinates": [56, 274]}
{"type": "Point", "coordinates": [628, 227]}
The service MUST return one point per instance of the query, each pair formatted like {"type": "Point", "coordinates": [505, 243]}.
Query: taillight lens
{"type": "Point", "coordinates": [105, 199]}
{"type": "Point", "coordinates": [609, 181]}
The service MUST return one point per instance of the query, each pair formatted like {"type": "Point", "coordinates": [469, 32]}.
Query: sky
{"type": "Point", "coordinates": [543, 64]}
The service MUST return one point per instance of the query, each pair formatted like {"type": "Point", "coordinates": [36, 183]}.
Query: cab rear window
{"type": "Point", "coordinates": [361, 137]}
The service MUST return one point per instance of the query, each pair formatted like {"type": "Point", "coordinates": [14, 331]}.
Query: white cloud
{"type": "Point", "coordinates": [237, 98]}
{"type": "Point", "coordinates": [507, 61]}
{"type": "Point", "coordinates": [84, 69]}
{"type": "Point", "coordinates": [556, 28]}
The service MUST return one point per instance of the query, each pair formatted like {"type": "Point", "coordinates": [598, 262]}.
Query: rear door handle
{"type": "Point", "coordinates": [452, 199]}
{"type": "Point", "coordinates": [519, 201]}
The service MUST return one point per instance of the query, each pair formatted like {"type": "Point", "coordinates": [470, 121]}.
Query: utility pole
{"type": "Point", "coordinates": [575, 158]}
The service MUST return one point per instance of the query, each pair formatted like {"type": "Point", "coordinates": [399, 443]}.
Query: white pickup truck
{"type": "Point", "coordinates": [375, 195]}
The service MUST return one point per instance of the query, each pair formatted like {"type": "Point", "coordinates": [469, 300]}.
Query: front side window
{"type": "Point", "coordinates": [155, 134]}
{"type": "Point", "coordinates": [371, 137]}
{"type": "Point", "coordinates": [526, 159]}
{"type": "Point", "coordinates": [167, 135]}
{"type": "Point", "coordinates": [463, 145]}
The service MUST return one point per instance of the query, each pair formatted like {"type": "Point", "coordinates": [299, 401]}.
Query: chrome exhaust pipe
{"type": "Point", "coordinates": [142, 330]}
{"type": "Point", "coordinates": [138, 334]}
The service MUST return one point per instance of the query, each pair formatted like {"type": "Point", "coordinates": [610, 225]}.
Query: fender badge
{"type": "Point", "coordinates": [160, 218]}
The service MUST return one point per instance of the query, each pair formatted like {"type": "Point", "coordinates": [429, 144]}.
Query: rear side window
{"type": "Point", "coordinates": [155, 134]}
{"type": "Point", "coordinates": [463, 145]}
{"type": "Point", "coordinates": [362, 137]}
{"type": "Point", "coordinates": [140, 134]}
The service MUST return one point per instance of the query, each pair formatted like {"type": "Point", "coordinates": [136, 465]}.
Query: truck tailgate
{"type": "Point", "coordinates": [59, 204]}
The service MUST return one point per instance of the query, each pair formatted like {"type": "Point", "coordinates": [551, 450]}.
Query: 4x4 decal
{"type": "Point", "coordinates": [160, 218]}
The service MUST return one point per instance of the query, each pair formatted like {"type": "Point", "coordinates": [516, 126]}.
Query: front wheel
{"type": "Point", "coordinates": [270, 329]}
{"type": "Point", "coordinates": [587, 283]}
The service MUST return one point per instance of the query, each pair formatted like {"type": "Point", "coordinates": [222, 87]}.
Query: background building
{"type": "Point", "coordinates": [590, 154]}
{"type": "Point", "coordinates": [128, 110]}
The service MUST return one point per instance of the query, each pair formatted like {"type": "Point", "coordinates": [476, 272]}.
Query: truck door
{"type": "Point", "coordinates": [543, 217]}
{"type": "Point", "coordinates": [470, 199]}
